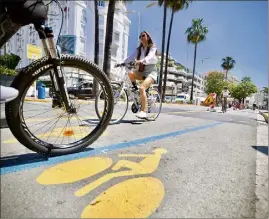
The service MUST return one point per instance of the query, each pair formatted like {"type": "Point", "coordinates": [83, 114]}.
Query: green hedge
{"type": "Point", "coordinates": [6, 71]}
{"type": "Point", "coordinates": [10, 61]}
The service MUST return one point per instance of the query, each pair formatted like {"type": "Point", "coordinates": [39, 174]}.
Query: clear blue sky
{"type": "Point", "coordinates": [236, 28]}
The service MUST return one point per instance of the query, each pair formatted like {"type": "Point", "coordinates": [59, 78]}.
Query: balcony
{"type": "Point", "coordinates": [182, 72]}
{"type": "Point", "coordinates": [172, 69]}
{"type": "Point", "coordinates": [195, 82]}
{"type": "Point", "coordinates": [116, 27]}
{"type": "Point", "coordinates": [116, 40]}
{"type": "Point", "coordinates": [182, 79]}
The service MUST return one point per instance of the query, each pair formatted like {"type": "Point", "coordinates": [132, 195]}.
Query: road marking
{"type": "Point", "coordinates": [137, 197]}
{"type": "Point", "coordinates": [93, 152]}
{"type": "Point", "coordinates": [75, 170]}
{"type": "Point", "coordinates": [133, 198]}
{"type": "Point", "coordinates": [148, 165]}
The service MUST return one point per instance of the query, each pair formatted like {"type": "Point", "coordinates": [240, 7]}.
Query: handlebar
{"type": "Point", "coordinates": [131, 64]}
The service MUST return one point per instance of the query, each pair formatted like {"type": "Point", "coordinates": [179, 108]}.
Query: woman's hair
{"type": "Point", "coordinates": [150, 44]}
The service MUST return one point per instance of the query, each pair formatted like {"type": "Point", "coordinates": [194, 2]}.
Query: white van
{"type": "Point", "coordinates": [182, 97]}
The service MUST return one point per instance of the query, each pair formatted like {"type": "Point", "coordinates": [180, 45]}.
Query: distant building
{"type": "Point", "coordinates": [259, 98]}
{"type": "Point", "coordinates": [179, 79]}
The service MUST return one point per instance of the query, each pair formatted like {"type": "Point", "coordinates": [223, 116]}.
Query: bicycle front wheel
{"type": "Point", "coordinates": [42, 124]}
{"type": "Point", "coordinates": [121, 103]}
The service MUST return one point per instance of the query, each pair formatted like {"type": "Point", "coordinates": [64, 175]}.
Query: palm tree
{"type": "Point", "coordinates": [196, 34]}
{"type": "Point", "coordinates": [175, 6]}
{"type": "Point", "coordinates": [96, 45]}
{"type": "Point", "coordinates": [109, 35]}
{"type": "Point", "coordinates": [246, 79]}
{"type": "Point", "coordinates": [227, 64]}
{"type": "Point", "coordinates": [164, 3]}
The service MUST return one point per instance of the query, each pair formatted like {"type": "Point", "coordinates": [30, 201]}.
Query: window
{"type": "Point", "coordinates": [117, 11]}
{"type": "Point", "coordinates": [82, 46]}
{"type": "Point", "coordinates": [83, 30]}
{"type": "Point", "coordinates": [101, 48]}
{"type": "Point", "coordinates": [126, 28]}
{"type": "Point", "coordinates": [101, 3]}
{"type": "Point", "coordinates": [101, 35]}
{"type": "Point", "coordinates": [117, 37]}
{"type": "Point", "coordinates": [114, 52]}
{"type": "Point", "coordinates": [123, 47]}
{"type": "Point", "coordinates": [84, 16]}
{"type": "Point", "coordinates": [101, 20]}
{"type": "Point", "coordinates": [66, 13]}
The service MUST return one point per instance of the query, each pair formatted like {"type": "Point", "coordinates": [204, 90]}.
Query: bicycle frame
{"type": "Point", "coordinates": [58, 82]}
{"type": "Point", "coordinates": [125, 83]}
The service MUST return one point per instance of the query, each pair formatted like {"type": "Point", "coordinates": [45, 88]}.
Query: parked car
{"type": "Point", "coordinates": [81, 90]}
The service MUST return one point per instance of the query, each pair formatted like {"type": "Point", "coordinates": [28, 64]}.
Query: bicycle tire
{"type": "Point", "coordinates": [96, 105]}
{"type": "Point", "coordinates": [149, 119]}
{"type": "Point", "coordinates": [23, 81]}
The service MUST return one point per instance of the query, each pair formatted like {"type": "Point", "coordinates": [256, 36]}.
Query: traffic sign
{"type": "Point", "coordinates": [34, 52]}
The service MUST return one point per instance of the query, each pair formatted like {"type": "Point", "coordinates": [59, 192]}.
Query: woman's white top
{"type": "Point", "coordinates": [150, 59]}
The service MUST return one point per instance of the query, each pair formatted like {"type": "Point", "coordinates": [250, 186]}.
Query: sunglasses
{"type": "Point", "coordinates": [143, 35]}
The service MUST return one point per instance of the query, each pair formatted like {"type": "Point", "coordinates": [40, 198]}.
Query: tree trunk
{"type": "Point", "coordinates": [226, 75]}
{"type": "Point", "coordinates": [194, 62]}
{"type": "Point", "coordinates": [163, 45]}
{"type": "Point", "coordinates": [96, 45]}
{"type": "Point", "coordinates": [167, 52]}
{"type": "Point", "coordinates": [109, 37]}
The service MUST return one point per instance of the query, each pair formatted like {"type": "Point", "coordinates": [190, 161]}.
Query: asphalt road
{"type": "Point", "coordinates": [188, 163]}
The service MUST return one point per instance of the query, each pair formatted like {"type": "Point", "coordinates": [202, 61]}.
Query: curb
{"type": "Point", "coordinates": [37, 100]}
{"type": "Point", "coordinates": [265, 115]}
{"type": "Point", "coordinates": [261, 189]}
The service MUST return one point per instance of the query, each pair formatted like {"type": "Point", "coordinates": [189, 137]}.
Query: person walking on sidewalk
{"type": "Point", "coordinates": [224, 95]}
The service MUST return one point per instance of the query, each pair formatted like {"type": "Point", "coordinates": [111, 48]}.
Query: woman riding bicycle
{"type": "Point", "coordinates": [145, 57]}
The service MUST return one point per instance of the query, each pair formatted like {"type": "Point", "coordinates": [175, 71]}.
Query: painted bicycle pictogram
{"type": "Point", "coordinates": [137, 197]}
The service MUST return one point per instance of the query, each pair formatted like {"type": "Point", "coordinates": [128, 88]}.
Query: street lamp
{"type": "Point", "coordinates": [139, 18]}
{"type": "Point", "coordinates": [152, 4]}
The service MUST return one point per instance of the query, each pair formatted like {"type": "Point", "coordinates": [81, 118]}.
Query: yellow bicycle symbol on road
{"type": "Point", "coordinates": [133, 198]}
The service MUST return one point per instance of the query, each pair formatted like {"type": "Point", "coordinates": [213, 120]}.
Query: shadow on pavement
{"type": "Point", "coordinates": [96, 121]}
{"type": "Point", "coordinates": [22, 159]}
{"type": "Point", "coordinates": [16, 160]}
{"type": "Point", "coordinates": [262, 149]}
{"type": "Point", "coordinates": [134, 122]}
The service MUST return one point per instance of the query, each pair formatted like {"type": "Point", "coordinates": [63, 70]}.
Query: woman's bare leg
{"type": "Point", "coordinates": [144, 86]}
{"type": "Point", "coordinates": [133, 77]}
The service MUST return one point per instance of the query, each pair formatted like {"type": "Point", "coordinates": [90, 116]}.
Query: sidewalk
{"type": "Point", "coordinates": [262, 168]}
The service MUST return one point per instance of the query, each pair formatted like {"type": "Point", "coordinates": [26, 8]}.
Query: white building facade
{"type": "Point", "coordinates": [78, 30]}
{"type": "Point", "coordinates": [179, 80]}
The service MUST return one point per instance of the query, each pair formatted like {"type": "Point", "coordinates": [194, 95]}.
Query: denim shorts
{"type": "Point", "coordinates": [149, 71]}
